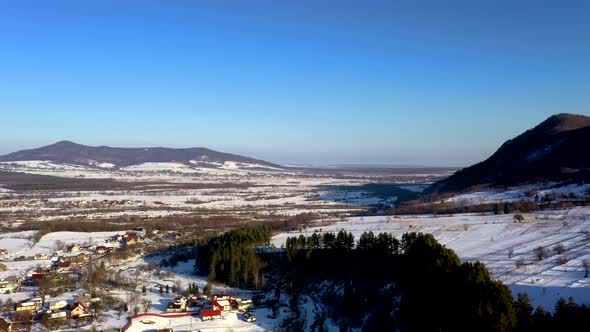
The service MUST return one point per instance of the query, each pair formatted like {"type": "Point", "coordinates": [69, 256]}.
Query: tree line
{"type": "Point", "coordinates": [231, 257]}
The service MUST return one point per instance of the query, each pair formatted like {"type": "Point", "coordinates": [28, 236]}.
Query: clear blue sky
{"type": "Point", "coordinates": [325, 82]}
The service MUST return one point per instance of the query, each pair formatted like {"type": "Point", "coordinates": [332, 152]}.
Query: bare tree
{"type": "Point", "coordinates": [178, 286]}
{"type": "Point", "coordinates": [146, 305]}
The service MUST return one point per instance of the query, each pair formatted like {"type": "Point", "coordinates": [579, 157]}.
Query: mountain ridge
{"type": "Point", "coordinates": [73, 153]}
{"type": "Point", "coordinates": [546, 152]}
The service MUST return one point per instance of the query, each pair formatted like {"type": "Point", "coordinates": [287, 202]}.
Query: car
{"type": "Point", "coordinates": [148, 322]}
{"type": "Point", "coordinates": [248, 317]}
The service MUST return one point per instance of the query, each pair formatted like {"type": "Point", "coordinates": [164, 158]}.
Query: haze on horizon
{"type": "Point", "coordinates": [307, 82]}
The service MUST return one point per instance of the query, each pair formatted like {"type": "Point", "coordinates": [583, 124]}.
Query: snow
{"type": "Point", "coordinates": [160, 167]}
{"type": "Point", "coordinates": [46, 244]}
{"type": "Point", "coordinates": [518, 193]}
{"type": "Point", "coordinates": [16, 242]}
{"type": "Point", "coordinates": [490, 238]}
{"type": "Point", "coordinates": [4, 190]}
{"type": "Point", "coordinates": [229, 321]}
{"type": "Point", "coordinates": [105, 165]}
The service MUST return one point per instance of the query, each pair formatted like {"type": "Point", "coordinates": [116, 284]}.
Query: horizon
{"type": "Point", "coordinates": [320, 83]}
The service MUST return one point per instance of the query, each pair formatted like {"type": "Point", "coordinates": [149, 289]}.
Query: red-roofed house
{"type": "Point", "coordinates": [221, 305]}
{"type": "Point", "coordinates": [130, 239]}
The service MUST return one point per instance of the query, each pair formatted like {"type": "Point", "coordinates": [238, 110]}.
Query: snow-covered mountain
{"type": "Point", "coordinates": [66, 152]}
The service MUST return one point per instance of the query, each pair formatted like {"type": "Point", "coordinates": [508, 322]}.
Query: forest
{"type": "Point", "coordinates": [408, 284]}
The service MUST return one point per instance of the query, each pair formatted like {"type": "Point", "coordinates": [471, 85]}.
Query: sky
{"type": "Point", "coordinates": [292, 82]}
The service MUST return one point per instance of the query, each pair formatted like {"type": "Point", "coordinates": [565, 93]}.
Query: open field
{"type": "Point", "coordinates": [45, 191]}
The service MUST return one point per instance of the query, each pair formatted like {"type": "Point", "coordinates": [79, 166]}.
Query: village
{"type": "Point", "coordinates": [57, 302]}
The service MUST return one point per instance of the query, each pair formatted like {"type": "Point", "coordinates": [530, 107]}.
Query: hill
{"type": "Point", "coordinates": [109, 157]}
{"type": "Point", "coordinates": [554, 150]}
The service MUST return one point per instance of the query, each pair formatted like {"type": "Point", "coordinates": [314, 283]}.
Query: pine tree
{"type": "Point", "coordinates": [144, 290]}
{"type": "Point", "coordinates": [523, 310]}
{"type": "Point", "coordinates": [167, 289]}
{"type": "Point", "coordinates": [161, 289]}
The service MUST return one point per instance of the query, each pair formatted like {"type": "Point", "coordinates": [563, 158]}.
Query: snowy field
{"type": "Point", "coordinates": [499, 242]}
{"type": "Point", "coordinates": [160, 190]}
{"type": "Point", "coordinates": [512, 194]}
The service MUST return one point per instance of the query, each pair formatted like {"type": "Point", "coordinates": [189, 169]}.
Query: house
{"type": "Point", "coordinates": [174, 307]}
{"type": "Point", "coordinates": [9, 285]}
{"type": "Point", "coordinates": [3, 251]}
{"type": "Point", "coordinates": [78, 309]}
{"type": "Point", "coordinates": [27, 306]}
{"type": "Point", "coordinates": [41, 256]}
{"type": "Point", "coordinates": [75, 248]}
{"type": "Point", "coordinates": [103, 250]}
{"type": "Point", "coordinates": [221, 303]}
{"type": "Point", "coordinates": [79, 260]}
{"type": "Point", "coordinates": [58, 316]}
{"type": "Point", "coordinates": [64, 266]}
{"type": "Point", "coordinates": [130, 239]}
{"type": "Point", "coordinates": [210, 314]}
{"type": "Point", "coordinates": [5, 326]}
{"type": "Point", "coordinates": [194, 304]}
{"type": "Point", "coordinates": [36, 277]}
{"type": "Point", "coordinates": [56, 305]}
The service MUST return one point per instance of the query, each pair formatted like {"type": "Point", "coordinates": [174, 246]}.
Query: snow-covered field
{"type": "Point", "coordinates": [527, 192]}
{"type": "Point", "coordinates": [499, 242]}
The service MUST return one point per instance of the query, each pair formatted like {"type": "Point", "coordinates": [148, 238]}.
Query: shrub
{"type": "Point", "coordinates": [559, 249]}
{"type": "Point", "coordinates": [540, 253]}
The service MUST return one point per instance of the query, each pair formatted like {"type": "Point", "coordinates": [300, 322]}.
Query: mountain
{"type": "Point", "coordinates": [555, 150]}
{"type": "Point", "coordinates": [72, 153]}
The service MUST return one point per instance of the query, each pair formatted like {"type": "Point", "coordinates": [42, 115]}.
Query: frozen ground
{"type": "Point", "coordinates": [527, 192]}
{"type": "Point", "coordinates": [499, 242]}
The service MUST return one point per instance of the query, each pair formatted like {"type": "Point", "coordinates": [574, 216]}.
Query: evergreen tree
{"type": "Point", "coordinates": [542, 320]}
{"type": "Point", "coordinates": [523, 310]}
{"type": "Point", "coordinates": [167, 289]}
{"type": "Point", "coordinates": [143, 290]}
{"type": "Point", "coordinates": [161, 289]}
{"type": "Point", "coordinates": [207, 289]}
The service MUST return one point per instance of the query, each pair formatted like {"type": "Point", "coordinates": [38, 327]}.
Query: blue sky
{"type": "Point", "coordinates": [323, 82]}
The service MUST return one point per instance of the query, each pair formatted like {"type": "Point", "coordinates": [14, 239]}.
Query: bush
{"type": "Point", "coordinates": [540, 253]}
{"type": "Point", "coordinates": [562, 260]}
{"type": "Point", "coordinates": [559, 249]}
